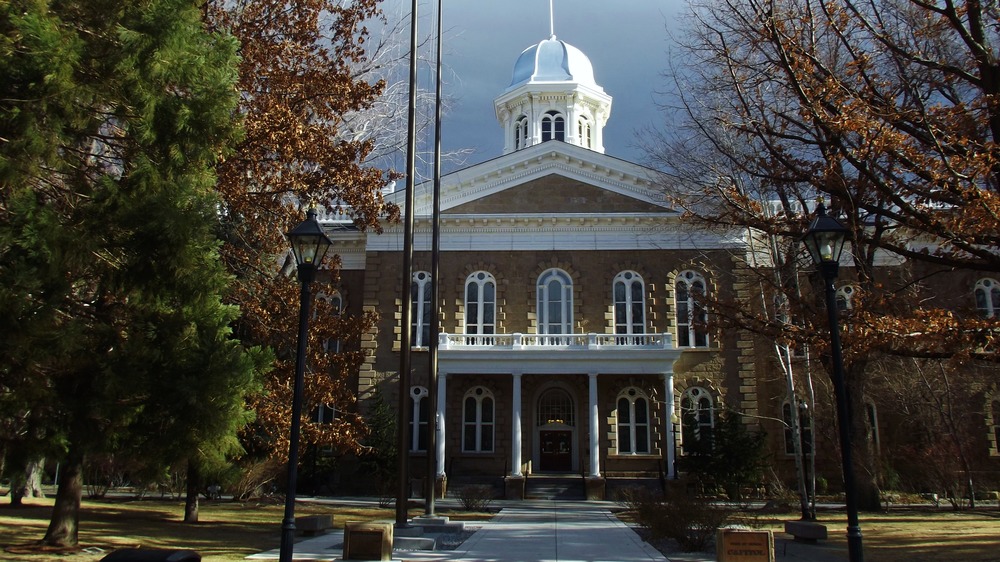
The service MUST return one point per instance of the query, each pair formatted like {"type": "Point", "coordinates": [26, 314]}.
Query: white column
{"type": "Point", "coordinates": [442, 386]}
{"type": "Point", "coordinates": [595, 428]}
{"type": "Point", "coordinates": [670, 438]}
{"type": "Point", "coordinates": [515, 441]}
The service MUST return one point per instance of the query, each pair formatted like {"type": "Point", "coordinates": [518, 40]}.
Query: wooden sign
{"type": "Point", "coordinates": [736, 545]}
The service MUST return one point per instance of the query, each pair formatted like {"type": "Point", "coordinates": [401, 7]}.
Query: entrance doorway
{"type": "Point", "coordinates": [556, 451]}
{"type": "Point", "coordinates": [555, 423]}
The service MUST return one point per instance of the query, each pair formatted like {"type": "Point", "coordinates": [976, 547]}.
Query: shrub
{"type": "Point", "coordinates": [679, 514]}
{"type": "Point", "coordinates": [476, 497]}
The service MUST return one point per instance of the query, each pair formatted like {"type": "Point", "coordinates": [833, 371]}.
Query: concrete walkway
{"type": "Point", "coordinates": [552, 531]}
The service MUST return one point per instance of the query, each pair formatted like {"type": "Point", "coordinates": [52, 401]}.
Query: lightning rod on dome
{"type": "Point", "coordinates": [552, 22]}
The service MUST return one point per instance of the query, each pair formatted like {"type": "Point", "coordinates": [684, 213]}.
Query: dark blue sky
{"type": "Point", "coordinates": [625, 40]}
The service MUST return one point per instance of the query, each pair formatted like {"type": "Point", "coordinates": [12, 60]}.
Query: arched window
{"type": "Point", "coordinates": [420, 298]}
{"type": "Point", "coordinates": [336, 303]}
{"type": "Point", "coordinates": [480, 303]}
{"type": "Point", "coordinates": [805, 428]}
{"type": "Point", "coordinates": [630, 303]}
{"type": "Point", "coordinates": [633, 422]}
{"type": "Point", "coordinates": [845, 297]}
{"type": "Point", "coordinates": [521, 132]}
{"type": "Point", "coordinates": [477, 421]}
{"type": "Point", "coordinates": [697, 421]}
{"type": "Point", "coordinates": [555, 302]}
{"type": "Point", "coordinates": [419, 418]}
{"type": "Point", "coordinates": [583, 133]}
{"type": "Point", "coordinates": [692, 316]}
{"type": "Point", "coordinates": [556, 406]}
{"type": "Point", "coordinates": [553, 126]}
{"type": "Point", "coordinates": [988, 298]}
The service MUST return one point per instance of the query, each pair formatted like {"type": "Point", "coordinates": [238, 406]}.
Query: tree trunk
{"type": "Point", "coordinates": [193, 487]}
{"type": "Point", "coordinates": [64, 524]}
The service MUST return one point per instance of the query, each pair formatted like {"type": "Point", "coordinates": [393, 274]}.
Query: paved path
{"type": "Point", "coordinates": [552, 531]}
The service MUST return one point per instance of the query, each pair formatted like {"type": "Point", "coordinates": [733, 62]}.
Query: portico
{"type": "Point", "coordinates": [555, 439]}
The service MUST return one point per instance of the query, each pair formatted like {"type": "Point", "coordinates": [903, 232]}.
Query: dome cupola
{"type": "Point", "coordinates": [553, 96]}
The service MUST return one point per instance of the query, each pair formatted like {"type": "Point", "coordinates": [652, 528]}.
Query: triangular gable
{"type": "Point", "coordinates": [575, 173]}
{"type": "Point", "coordinates": [555, 194]}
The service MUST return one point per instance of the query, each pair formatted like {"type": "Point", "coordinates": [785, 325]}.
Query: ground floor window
{"type": "Point", "coordinates": [633, 422]}
{"type": "Point", "coordinates": [478, 421]}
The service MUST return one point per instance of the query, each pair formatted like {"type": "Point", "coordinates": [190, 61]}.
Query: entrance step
{"type": "Point", "coordinates": [554, 487]}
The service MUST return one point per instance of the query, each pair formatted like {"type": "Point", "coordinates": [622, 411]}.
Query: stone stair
{"type": "Point", "coordinates": [423, 531]}
{"type": "Point", "coordinates": [554, 487]}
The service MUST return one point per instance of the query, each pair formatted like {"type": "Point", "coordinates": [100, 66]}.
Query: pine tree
{"type": "Point", "coordinates": [112, 118]}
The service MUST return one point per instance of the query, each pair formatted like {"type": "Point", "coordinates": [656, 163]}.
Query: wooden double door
{"type": "Point", "coordinates": [556, 451]}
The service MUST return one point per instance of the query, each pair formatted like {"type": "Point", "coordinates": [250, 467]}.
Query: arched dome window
{"type": "Point", "coordinates": [521, 132]}
{"type": "Point", "coordinates": [584, 133]}
{"type": "Point", "coordinates": [553, 126]}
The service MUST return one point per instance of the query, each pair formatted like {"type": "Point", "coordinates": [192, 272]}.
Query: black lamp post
{"type": "Point", "coordinates": [309, 244]}
{"type": "Point", "coordinates": [825, 241]}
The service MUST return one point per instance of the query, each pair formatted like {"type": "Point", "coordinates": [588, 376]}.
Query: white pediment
{"type": "Point", "coordinates": [516, 169]}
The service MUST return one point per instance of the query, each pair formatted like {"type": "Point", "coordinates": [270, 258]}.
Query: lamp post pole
{"type": "Point", "coordinates": [309, 245]}
{"type": "Point", "coordinates": [825, 241]}
{"type": "Point", "coordinates": [854, 549]}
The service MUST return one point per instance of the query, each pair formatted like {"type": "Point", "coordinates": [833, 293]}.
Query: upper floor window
{"type": "Point", "coordinates": [336, 303]}
{"type": "Point", "coordinates": [697, 421]}
{"type": "Point", "coordinates": [583, 133]}
{"type": "Point", "coordinates": [419, 418]}
{"type": "Point", "coordinates": [692, 316]}
{"type": "Point", "coordinates": [988, 298]}
{"type": "Point", "coordinates": [630, 303]}
{"type": "Point", "coordinates": [477, 421]}
{"type": "Point", "coordinates": [633, 422]}
{"type": "Point", "coordinates": [324, 413]}
{"type": "Point", "coordinates": [553, 126]}
{"type": "Point", "coordinates": [521, 132]}
{"type": "Point", "coordinates": [845, 297]}
{"type": "Point", "coordinates": [995, 424]}
{"type": "Point", "coordinates": [805, 429]}
{"type": "Point", "coordinates": [420, 299]}
{"type": "Point", "coordinates": [555, 302]}
{"type": "Point", "coordinates": [480, 303]}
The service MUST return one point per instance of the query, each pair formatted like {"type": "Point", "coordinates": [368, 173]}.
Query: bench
{"type": "Point", "coordinates": [806, 531]}
{"type": "Point", "coordinates": [312, 525]}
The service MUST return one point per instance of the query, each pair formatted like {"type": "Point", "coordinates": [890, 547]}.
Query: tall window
{"type": "Point", "coordinates": [583, 133]}
{"type": "Point", "coordinates": [988, 298]}
{"type": "Point", "coordinates": [697, 421]}
{"type": "Point", "coordinates": [477, 421]}
{"type": "Point", "coordinates": [995, 427]}
{"type": "Point", "coordinates": [692, 316]}
{"type": "Point", "coordinates": [872, 414]}
{"type": "Point", "coordinates": [845, 298]}
{"type": "Point", "coordinates": [630, 303]}
{"type": "Point", "coordinates": [521, 132]}
{"type": "Point", "coordinates": [633, 423]}
{"type": "Point", "coordinates": [336, 303]}
{"type": "Point", "coordinates": [480, 303]}
{"type": "Point", "coordinates": [420, 298]}
{"type": "Point", "coordinates": [553, 126]}
{"type": "Point", "coordinates": [419, 419]}
{"type": "Point", "coordinates": [805, 429]}
{"type": "Point", "coordinates": [555, 302]}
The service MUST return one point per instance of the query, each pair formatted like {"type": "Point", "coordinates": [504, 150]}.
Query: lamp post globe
{"type": "Point", "coordinates": [825, 240]}
{"type": "Point", "coordinates": [309, 246]}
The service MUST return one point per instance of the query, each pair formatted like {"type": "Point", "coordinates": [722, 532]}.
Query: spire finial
{"type": "Point", "coordinates": [552, 21]}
